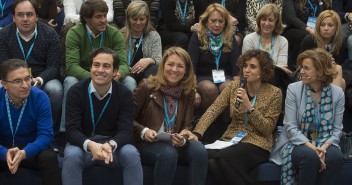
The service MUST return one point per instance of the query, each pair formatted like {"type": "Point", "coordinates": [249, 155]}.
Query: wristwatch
{"type": "Point", "coordinates": [112, 144]}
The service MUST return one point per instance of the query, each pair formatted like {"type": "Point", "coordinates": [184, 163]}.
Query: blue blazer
{"type": "Point", "coordinates": [294, 108]}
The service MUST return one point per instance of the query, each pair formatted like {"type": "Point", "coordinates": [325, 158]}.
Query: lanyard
{"type": "Point", "coordinates": [223, 3]}
{"type": "Point", "coordinates": [217, 59]}
{"type": "Point", "coordinates": [262, 3]}
{"type": "Point", "coordinates": [246, 116]}
{"type": "Point", "coordinates": [10, 118]}
{"type": "Point", "coordinates": [314, 8]}
{"type": "Point", "coordinates": [272, 45]}
{"type": "Point", "coordinates": [92, 110]}
{"type": "Point", "coordinates": [90, 40]}
{"type": "Point", "coordinates": [167, 119]}
{"type": "Point", "coordinates": [21, 46]}
{"type": "Point", "coordinates": [182, 12]}
{"type": "Point", "coordinates": [2, 7]}
{"type": "Point", "coordinates": [129, 56]}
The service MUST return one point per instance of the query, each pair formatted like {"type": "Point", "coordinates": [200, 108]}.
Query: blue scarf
{"type": "Point", "coordinates": [215, 43]}
{"type": "Point", "coordinates": [323, 128]}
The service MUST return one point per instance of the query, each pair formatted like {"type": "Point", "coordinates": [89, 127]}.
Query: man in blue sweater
{"type": "Point", "coordinates": [99, 123]}
{"type": "Point", "coordinates": [26, 130]}
{"type": "Point", "coordinates": [39, 46]}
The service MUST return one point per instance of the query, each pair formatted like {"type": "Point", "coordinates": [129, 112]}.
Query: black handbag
{"type": "Point", "coordinates": [346, 146]}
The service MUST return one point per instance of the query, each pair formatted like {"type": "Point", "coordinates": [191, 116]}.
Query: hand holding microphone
{"type": "Point", "coordinates": [243, 83]}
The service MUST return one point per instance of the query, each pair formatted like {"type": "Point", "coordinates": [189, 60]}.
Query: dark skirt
{"type": "Point", "coordinates": [243, 158]}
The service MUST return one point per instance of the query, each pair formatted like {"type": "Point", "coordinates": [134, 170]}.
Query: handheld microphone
{"type": "Point", "coordinates": [243, 83]}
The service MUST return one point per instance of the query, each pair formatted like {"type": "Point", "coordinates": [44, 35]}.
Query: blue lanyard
{"type": "Point", "coordinates": [316, 118]}
{"type": "Point", "coordinates": [92, 110]}
{"type": "Point", "coordinates": [223, 3]}
{"type": "Point", "coordinates": [167, 119]}
{"type": "Point", "coordinates": [2, 7]}
{"type": "Point", "coordinates": [272, 45]}
{"type": "Point", "coordinates": [10, 118]}
{"type": "Point", "coordinates": [182, 12]}
{"type": "Point", "coordinates": [21, 46]}
{"type": "Point", "coordinates": [246, 116]}
{"type": "Point", "coordinates": [90, 40]}
{"type": "Point", "coordinates": [129, 56]}
{"type": "Point", "coordinates": [262, 3]}
{"type": "Point", "coordinates": [217, 59]}
{"type": "Point", "coordinates": [314, 8]}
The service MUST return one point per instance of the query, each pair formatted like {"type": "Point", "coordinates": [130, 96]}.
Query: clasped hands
{"type": "Point", "coordinates": [178, 140]}
{"type": "Point", "coordinates": [100, 151]}
{"type": "Point", "coordinates": [321, 151]}
{"type": "Point", "coordinates": [14, 157]}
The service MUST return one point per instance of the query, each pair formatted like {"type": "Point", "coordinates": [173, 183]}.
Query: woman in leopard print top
{"type": "Point", "coordinates": [259, 110]}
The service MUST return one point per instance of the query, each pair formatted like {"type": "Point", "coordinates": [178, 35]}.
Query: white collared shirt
{"type": "Point", "coordinates": [91, 32]}
{"type": "Point", "coordinates": [29, 37]}
{"type": "Point", "coordinates": [94, 91]}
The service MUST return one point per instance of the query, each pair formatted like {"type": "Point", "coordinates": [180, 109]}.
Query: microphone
{"type": "Point", "coordinates": [242, 85]}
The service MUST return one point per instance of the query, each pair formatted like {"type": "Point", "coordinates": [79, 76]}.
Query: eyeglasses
{"type": "Point", "coordinates": [22, 15]}
{"type": "Point", "coordinates": [19, 82]}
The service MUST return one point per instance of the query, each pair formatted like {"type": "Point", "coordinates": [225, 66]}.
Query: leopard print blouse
{"type": "Point", "coordinates": [262, 120]}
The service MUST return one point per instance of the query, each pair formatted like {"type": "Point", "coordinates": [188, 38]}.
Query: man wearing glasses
{"type": "Point", "coordinates": [38, 45]}
{"type": "Point", "coordinates": [26, 130]}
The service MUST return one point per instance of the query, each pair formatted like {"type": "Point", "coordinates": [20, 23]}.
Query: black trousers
{"type": "Point", "coordinates": [45, 162]}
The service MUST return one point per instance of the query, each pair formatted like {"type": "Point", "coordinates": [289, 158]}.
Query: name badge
{"type": "Point", "coordinates": [311, 22]}
{"type": "Point", "coordinates": [218, 76]}
{"type": "Point", "coordinates": [239, 136]}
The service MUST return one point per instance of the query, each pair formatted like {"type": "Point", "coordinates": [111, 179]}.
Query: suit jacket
{"type": "Point", "coordinates": [294, 109]}
{"type": "Point", "coordinates": [150, 111]}
{"type": "Point", "coordinates": [342, 7]}
{"type": "Point", "coordinates": [262, 120]}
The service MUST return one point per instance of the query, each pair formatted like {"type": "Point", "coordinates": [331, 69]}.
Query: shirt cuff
{"type": "Point", "coordinates": [143, 132]}
{"type": "Point", "coordinates": [41, 80]}
{"type": "Point", "coordinates": [85, 145]}
{"type": "Point", "coordinates": [114, 144]}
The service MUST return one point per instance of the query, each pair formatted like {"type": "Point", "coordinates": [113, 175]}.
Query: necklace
{"type": "Point", "coordinates": [14, 104]}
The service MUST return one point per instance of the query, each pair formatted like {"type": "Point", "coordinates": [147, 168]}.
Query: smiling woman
{"type": "Point", "coordinates": [142, 42]}
{"type": "Point", "coordinates": [267, 36]}
{"type": "Point", "coordinates": [165, 103]}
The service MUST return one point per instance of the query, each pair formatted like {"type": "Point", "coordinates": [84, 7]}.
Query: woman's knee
{"type": "Point", "coordinates": [207, 87]}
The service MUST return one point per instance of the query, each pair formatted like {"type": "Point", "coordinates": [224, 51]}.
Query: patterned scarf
{"type": "Point", "coordinates": [215, 43]}
{"type": "Point", "coordinates": [171, 94]}
{"type": "Point", "coordinates": [289, 174]}
{"type": "Point", "coordinates": [190, 13]}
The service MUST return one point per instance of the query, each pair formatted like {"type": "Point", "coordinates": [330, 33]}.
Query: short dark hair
{"type": "Point", "coordinates": [94, 53]}
{"type": "Point", "coordinates": [11, 65]}
{"type": "Point", "coordinates": [264, 59]}
{"type": "Point", "coordinates": [16, 2]}
{"type": "Point", "coordinates": [89, 7]}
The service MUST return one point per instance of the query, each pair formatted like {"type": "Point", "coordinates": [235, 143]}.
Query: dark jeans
{"type": "Point", "coordinates": [307, 162]}
{"type": "Point", "coordinates": [46, 162]}
{"type": "Point", "coordinates": [164, 157]}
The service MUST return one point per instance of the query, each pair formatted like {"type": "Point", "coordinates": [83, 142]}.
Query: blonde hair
{"type": "Point", "coordinates": [228, 33]}
{"type": "Point", "coordinates": [135, 10]}
{"type": "Point", "coordinates": [322, 62]}
{"type": "Point", "coordinates": [337, 41]}
{"type": "Point", "coordinates": [188, 81]}
{"type": "Point", "coordinates": [265, 12]}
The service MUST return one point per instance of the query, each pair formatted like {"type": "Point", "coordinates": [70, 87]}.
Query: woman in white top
{"type": "Point", "coordinates": [267, 36]}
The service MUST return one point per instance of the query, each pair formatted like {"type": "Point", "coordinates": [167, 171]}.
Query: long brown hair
{"type": "Point", "coordinates": [337, 39]}
{"type": "Point", "coordinates": [188, 81]}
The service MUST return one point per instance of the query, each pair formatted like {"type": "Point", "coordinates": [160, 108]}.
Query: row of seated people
{"type": "Point", "coordinates": [180, 17]}
{"type": "Point", "coordinates": [214, 21]}
{"type": "Point", "coordinates": [103, 116]}
{"type": "Point", "coordinates": [143, 46]}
